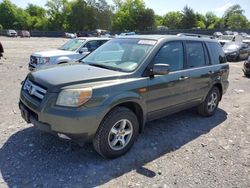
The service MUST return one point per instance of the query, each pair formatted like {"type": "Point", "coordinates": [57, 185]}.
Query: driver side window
{"type": "Point", "coordinates": [172, 54]}
{"type": "Point", "coordinates": [91, 45]}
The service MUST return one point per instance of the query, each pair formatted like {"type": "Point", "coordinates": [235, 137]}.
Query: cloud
{"type": "Point", "coordinates": [223, 8]}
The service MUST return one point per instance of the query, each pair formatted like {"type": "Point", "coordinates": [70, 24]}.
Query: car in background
{"type": "Point", "coordinates": [11, 33]}
{"type": "Point", "coordinates": [223, 39]}
{"type": "Point", "coordinates": [246, 39]}
{"type": "Point", "coordinates": [24, 33]}
{"type": "Point", "coordinates": [70, 35]}
{"type": "Point", "coordinates": [228, 33]}
{"type": "Point", "coordinates": [236, 51]}
{"type": "Point", "coordinates": [246, 68]}
{"type": "Point", "coordinates": [72, 50]}
{"type": "Point", "coordinates": [127, 34]}
{"type": "Point", "coordinates": [243, 34]}
{"type": "Point", "coordinates": [217, 34]}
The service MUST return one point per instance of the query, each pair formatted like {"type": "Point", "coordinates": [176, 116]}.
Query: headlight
{"type": "Point", "coordinates": [44, 60]}
{"type": "Point", "coordinates": [74, 97]}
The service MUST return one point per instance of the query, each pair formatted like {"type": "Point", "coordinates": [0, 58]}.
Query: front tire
{"type": "Point", "coordinates": [117, 133]}
{"type": "Point", "coordinates": [209, 106]}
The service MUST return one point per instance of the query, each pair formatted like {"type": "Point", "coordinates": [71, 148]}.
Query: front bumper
{"type": "Point", "coordinates": [79, 124]}
{"type": "Point", "coordinates": [32, 67]}
{"type": "Point", "coordinates": [231, 57]}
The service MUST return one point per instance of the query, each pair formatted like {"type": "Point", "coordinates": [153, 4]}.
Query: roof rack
{"type": "Point", "coordinates": [195, 35]}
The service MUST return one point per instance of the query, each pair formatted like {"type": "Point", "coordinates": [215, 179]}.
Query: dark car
{"type": "Point", "coordinates": [246, 68]}
{"type": "Point", "coordinates": [24, 33]}
{"type": "Point", "coordinates": [120, 86]}
{"type": "Point", "coordinates": [236, 51]}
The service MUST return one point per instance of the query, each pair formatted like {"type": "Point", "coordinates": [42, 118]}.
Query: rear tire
{"type": "Point", "coordinates": [117, 133]}
{"type": "Point", "coordinates": [209, 106]}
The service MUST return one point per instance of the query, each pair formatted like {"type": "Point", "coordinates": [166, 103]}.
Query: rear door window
{"type": "Point", "coordinates": [196, 56]}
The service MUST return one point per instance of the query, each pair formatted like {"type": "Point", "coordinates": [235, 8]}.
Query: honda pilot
{"type": "Point", "coordinates": [108, 97]}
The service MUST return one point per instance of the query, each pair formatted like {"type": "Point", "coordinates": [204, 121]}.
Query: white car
{"type": "Point", "coordinates": [11, 33]}
{"type": "Point", "coordinates": [73, 50]}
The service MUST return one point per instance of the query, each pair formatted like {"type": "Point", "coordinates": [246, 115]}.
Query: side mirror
{"type": "Point", "coordinates": [83, 50]}
{"type": "Point", "coordinates": [160, 69]}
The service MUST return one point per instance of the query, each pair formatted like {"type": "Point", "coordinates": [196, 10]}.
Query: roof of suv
{"type": "Point", "coordinates": [172, 37]}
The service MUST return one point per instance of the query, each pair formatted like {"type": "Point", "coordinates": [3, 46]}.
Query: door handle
{"type": "Point", "coordinates": [183, 78]}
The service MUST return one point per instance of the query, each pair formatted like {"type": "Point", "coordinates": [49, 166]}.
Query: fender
{"type": "Point", "coordinates": [127, 97]}
{"type": "Point", "coordinates": [62, 59]}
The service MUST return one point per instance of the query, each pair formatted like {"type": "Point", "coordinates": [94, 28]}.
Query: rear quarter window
{"type": "Point", "coordinates": [216, 53]}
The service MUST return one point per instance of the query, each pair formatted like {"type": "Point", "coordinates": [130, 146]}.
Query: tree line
{"type": "Point", "coordinates": [124, 15]}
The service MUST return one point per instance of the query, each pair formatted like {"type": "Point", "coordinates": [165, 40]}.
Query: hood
{"type": "Point", "coordinates": [226, 51]}
{"type": "Point", "coordinates": [52, 53]}
{"type": "Point", "coordinates": [71, 74]}
{"type": "Point", "coordinates": [224, 41]}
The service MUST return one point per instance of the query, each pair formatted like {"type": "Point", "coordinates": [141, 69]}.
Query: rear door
{"type": "Point", "coordinates": [200, 69]}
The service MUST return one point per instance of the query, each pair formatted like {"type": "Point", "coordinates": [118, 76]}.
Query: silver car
{"type": "Point", "coordinates": [73, 50]}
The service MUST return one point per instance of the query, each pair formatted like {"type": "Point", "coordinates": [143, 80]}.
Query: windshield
{"type": "Point", "coordinates": [226, 37]}
{"type": "Point", "coordinates": [231, 46]}
{"type": "Point", "coordinates": [120, 54]}
{"type": "Point", "coordinates": [72, 45]}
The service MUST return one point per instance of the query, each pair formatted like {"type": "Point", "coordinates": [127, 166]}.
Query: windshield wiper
{"type": "Point", "coordinates": [106, 67]}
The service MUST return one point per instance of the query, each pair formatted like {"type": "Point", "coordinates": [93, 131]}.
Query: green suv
{"type": "Point", "coordinates": [114, 91]}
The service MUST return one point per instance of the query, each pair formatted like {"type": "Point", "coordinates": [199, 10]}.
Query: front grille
{"type": "Point", "coordinates": [33, 60]}
{"type": "Point", "coordinates": [34, 90]}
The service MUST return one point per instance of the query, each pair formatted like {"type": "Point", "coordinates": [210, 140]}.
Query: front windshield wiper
{"type": "Point", "coordinates": [106, 67]}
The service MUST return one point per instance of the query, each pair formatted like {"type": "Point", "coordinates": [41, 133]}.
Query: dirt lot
{"type": "Point", "coordinates": [182, 150]}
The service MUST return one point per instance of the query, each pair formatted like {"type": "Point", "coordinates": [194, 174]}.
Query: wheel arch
{"type": "Point", "coordinates": [135, 107]}
{"type": "Point", "coordinates": [63, 59]}
{"type": "Point", "coordinates": [219, 86]}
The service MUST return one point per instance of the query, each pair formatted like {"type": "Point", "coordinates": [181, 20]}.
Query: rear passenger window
{"type": "Point", "coordinates": [195, 54]}
{"type": "Point", "coordinates": [216, 53]}
{"type": "Point", "coordinates": [171, 53]}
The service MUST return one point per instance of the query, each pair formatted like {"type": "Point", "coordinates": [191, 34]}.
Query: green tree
{"type": "Point", "coordinates": [102, 12]}
{"type": "Point", "coordinates": [38, 18]}
{"type": "Point", "coordinates": [200, 21]}
{"type": "Point", "coordinates": [188, 18]}
{"type": "Point", "coordinates": [237, 21]}
{"type": "Point", "coordinates": [159, 20]}
{"type": "Point", "coordinates": [81, 16]}
{"type": "Point", "coordinates": [173, 20]}
{"type": "Point", "coordinates": [211, 21]}
{"type": "Point", "coordinates": [8, 14]}
{"type": "Point", "coordinates": [132, 15]}
{"type": "Point", "coordinates": [145, 19]}
{"type": "Point", "coordinates": [57, 12]}
{"type": "Point", "coordinates": [22, 19]}
{"type": "Point", "coordinates": [232, 12]}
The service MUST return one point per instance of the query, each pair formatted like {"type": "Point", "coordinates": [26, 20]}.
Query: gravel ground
{"type": "Point", "coordinates": [181, 150]}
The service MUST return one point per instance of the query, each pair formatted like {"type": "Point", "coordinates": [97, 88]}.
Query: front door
{"type": "Point", "coordinates": [168, 92]}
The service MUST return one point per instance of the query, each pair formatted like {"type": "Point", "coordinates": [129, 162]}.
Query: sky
{"type": "Point", "coordinates": [161, 7]}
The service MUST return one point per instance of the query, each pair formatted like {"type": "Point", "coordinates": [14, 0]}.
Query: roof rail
{"type": "Point", "coordinates": [195, 35]}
